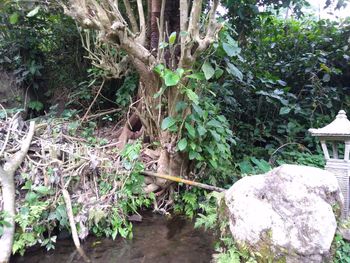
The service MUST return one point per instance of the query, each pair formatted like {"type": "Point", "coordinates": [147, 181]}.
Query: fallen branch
{"type": "Point", "coordinates": [7, 173]}
{"type": "Point", "coordinates": [73, 228]}
{"type": "Point", "coordinates": [181, 180]}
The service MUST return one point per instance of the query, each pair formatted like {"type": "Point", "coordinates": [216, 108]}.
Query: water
{"type": "Point", "coordinates": [156, 240]}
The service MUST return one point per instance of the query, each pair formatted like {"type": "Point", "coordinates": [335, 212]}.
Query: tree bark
{"type": "Point", "coordinates": [164, 17]}
{"type": "Point", "coordinates": [7, 173]}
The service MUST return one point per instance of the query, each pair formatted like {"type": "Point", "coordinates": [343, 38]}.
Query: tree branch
{"type": "Point", "coordinates": [142, 37]}
{"type": "Point", "coordinates": [131, 16]}
{"type": "Point", "coordinates": [212, 29]}
{"type": "Point", "coordinates": [192, 31]}
{"type": "Point", "coordinates": [112, 25]}
{"type": "Point", "coordinates": [183, 26]}
{"type": "Point", "coordinates": [160, 53]}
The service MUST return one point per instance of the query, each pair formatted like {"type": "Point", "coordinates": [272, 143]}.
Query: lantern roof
{"type": "Point", "coordinates": [340, 127]}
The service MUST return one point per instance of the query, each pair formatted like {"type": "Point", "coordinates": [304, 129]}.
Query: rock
{"type": "Point", "coordinates": [287, 214]}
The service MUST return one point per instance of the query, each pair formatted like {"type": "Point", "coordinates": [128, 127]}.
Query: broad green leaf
{"type": "Point", "coordinates": [168, 122]}
{"type": "Point", "coordinates": [214, 123]}
{"type": "Point", "coordinates": [41, 189]}
{"type": "Point", "coordinates": [284, 110]}
{"type": "Point", "coordinates": [180, 72]}
{"type": "Point", "coordinates": [171, 78]}
{"type": "Point", "coordinates": [208, 70]}
{"type": "Point", "coordinates": [191, 131]}
{"type": "Point", "coordinates": [198, 109]}
{"type": "Point", "coordinates": [33, 12]}
{"type": "Point", "coordinates": [197, 76]}
{"type": "Point", "coordinates": [215, 135]}
{"type": "Point", "coordinates": [182, 144]}
{"type": "Point", "coordinates": [201, 130]}
{"type": "Point", "coordinates": [192, 96]}
{"type": "Point", "coordinates": [180, 106]}
{"type": "Point", "coordinates": [232, 69]}
{"type": "Point", "coordinates": [262, 164]}
{"type": "Point", "coordinates": [159, 69]}
{"type": "Point", "coordinates": [218, 73]}
{"type": "Point", "coordinates": [192, 155]}
{"type": "Point", "coordinates": [213, 163]}
{"type": "Point", "coordinates": [14, 18]}
{"type": "Point", "coordinates": [172, 38]}
{"type": "Point", "coordinates": [231, 50]}
{"type": "Point", "coordinates": [163, 45]}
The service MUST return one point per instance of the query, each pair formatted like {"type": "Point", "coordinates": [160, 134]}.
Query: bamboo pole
{"type": "Point", "coordinates": [181, 180]}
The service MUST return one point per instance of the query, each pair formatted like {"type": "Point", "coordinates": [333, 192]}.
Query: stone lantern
{"type": "Point", "coordinates": [335, 134]}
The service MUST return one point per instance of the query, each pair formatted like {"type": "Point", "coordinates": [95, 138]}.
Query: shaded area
{"type": "Point", "coordinates": [157, 240]}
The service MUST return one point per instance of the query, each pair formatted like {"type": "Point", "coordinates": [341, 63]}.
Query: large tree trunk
{"type": "Point", "coordinates": [163, 18]}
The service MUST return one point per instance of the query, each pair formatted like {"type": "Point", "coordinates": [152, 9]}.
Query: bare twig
{"type": "Point", "coordinates": [92, 103]}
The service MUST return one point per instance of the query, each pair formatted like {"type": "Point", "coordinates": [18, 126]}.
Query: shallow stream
{"type": "Point", "coordinates": [156, 240]}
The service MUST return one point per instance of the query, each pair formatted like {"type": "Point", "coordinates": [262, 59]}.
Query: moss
{"type": "Point", "coordinates": [262, 252]}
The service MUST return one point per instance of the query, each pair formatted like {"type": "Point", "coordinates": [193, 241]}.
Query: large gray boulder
{"type": "Point", "coordinates": [287, 215]}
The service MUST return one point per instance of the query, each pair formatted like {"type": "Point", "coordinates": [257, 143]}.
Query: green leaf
{"type": "Point", "coordinates": [201, 130]}
{"type": "Point", "coordinates": [215, 135]}
{"type": "Point", "coordinates": [33, 12]}
{"type": "Point", "coordinates": [171, 78]}
{"type": "Point", "coordinates": [191, 131]}
{"type": "Point", "coordinates": [163, 45]}
{"type": "Point", "coordinates": [14, 18]}
{"type": "Point", "coordinates": [218, 73]}
{"type": "Point", "coordinates": [231, 50]}
{"type": "Point", "coordinates": [180, 72]}
{"type": "Point", "coordinates": [182, 144]}
{"type": "Point", "coordinates": [208, 70]}
{"type": "Point", "coordinates": [172, 38]}
{"type": "Point", "coordinates": [198, 109]}
{"type": "Point", "coordinates": [197, 76]}
{"type": "Point", "coordinates": [284, 110]}
{"type": "Point", "coordinates": [214, 123]}
{"type": "Point", "coordinates": [41, 189]}
{"type": "Point", "coordinates": [245, 167]}
{"type": "Point", "coordinates": [168, 122]}
{"type": "Point", "coordinates": [192, 155]}
{"type": "Point", "coordinates": [192, 96]}
{"type": "Point", "coordinates": [159, 69]}
{"type": "Point", "coordinates": [262, 164]}
{"type": "Point", "coordinates": [180, 106]}
{"type": "Point", "coordinates": [232, 69]}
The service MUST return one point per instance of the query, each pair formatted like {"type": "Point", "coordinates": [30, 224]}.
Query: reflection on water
{"type": "Point", "coordinates": [156, 240]}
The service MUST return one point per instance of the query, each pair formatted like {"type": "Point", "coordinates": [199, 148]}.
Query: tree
{"type": "Point", "coordinates": [162, 45]}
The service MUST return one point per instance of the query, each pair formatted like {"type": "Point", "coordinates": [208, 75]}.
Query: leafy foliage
{"type": "Point", "coordinates": [41, 47]}
{"type": "Point", "coordinates": [342, 250]}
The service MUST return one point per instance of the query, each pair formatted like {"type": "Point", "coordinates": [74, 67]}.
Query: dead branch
{"type": "Point", "coordinates": [181, 180]}
{"type": "Point", "coordinates": [73, 228]}
{"type": "Point", "coordinates": [8, 193]}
